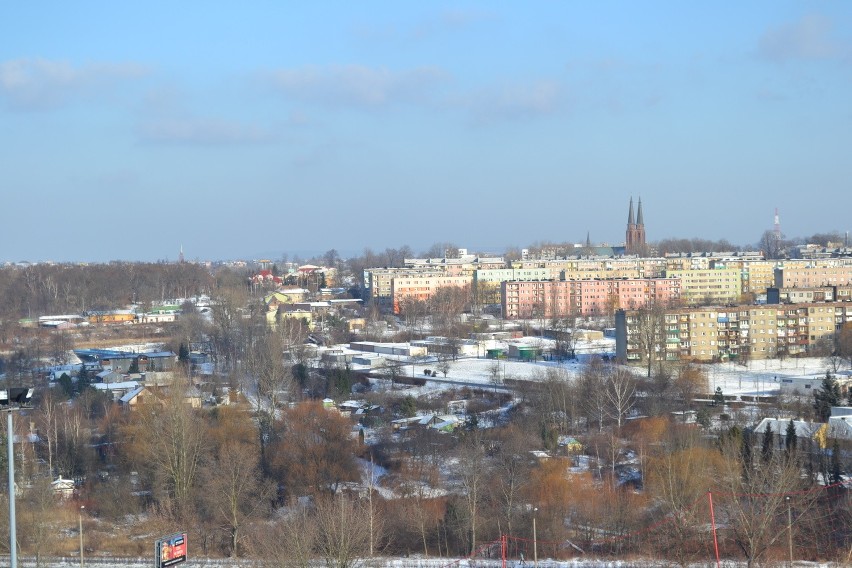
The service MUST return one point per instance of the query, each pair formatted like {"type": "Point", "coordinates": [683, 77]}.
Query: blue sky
{"type": "Point", "coordinates": [128, 131]}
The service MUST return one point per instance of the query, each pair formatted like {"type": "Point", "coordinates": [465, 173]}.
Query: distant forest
{"type": "Point", "coordinates": [50, 289]}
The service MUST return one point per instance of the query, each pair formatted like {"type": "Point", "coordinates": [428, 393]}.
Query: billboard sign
{"type": "Point", "coordinates": [170, 550]}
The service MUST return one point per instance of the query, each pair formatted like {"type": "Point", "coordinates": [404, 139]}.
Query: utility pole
{"type": "Point", "coordinates": [370, 500]}
{"type": "Point", "coordinates": [10, 447]}
{"type": "Point", "coordinates": [80, 519]}
{"type": "Point", "coordinates": [535, 542]}
{"type": "Point", "coordinates": [789, 530]}
{"type": "Point", "coordinates": [12, 399]}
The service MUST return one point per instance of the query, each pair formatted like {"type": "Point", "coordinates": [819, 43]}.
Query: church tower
{"type": "Point", "coordinates": [635, 241]}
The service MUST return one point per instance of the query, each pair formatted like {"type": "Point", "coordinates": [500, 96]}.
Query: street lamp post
{"type": "Point", "coordinates": [10, 447]}
{"type": "Point", "coordinates": [535, 541]}
{"type": "Point", "coordinates": [10, 400]}
{"type": "Point", "coordinates": [80, 519]}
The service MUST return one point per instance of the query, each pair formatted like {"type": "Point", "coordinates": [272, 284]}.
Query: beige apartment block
{"type": "Point", "coordinates": [703, 335]}
{"type": "Point", "coordinates": [843, 293]}
{"type": "Point", "coordinates": [758, 331]}
{"type": "Point", "coordinates": [712, 286]}
{"type": "Point", "coordinates": [736, 332]}
{"type": "Point", "coordinates": [793, 276]}
{"type": "Point", "coordinates": [552, 265]}
{"type": "Point", "coordinates": [758, 276]}
{"type": "Point", "coordinates": [585, 268]}
{"type": "Point", "coordinates": [379, 281]}
{"type": "Point", "coordinates": [821, 322]}
{"type": "Point", "coordinates": [688, 262]}
{"type": "Point", "coordinates": [800, 295]}
{"type": "Point", "coordinates": [465, 265]}
{"type": "Point", "coordinates": [498, 275]}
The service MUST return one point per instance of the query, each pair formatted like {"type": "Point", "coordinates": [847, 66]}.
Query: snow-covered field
{"type": "Point", "coordinates": [755, 378]}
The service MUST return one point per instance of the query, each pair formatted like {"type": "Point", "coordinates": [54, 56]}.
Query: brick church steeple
{"type": "Point", "coordinates": [635, 241]}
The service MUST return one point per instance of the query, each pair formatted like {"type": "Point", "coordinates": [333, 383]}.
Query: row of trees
{"type": "Point", "coordinates": [68, 288]}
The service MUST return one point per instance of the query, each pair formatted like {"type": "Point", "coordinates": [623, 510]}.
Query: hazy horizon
{"type": "Point", "coordinates": [130, 130]}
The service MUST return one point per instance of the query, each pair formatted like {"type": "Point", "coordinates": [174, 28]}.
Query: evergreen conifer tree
{"type": "Point", "coordinates": [409, 406]}
{"type": "Point", "coordinates": [746, 454]}
{"type": "Point", "coordinates": [766, 450]}
{"type": "Point", "coordinates": [836, 468]}
{"type": "Point", "coordinates": [183, 353]}
{"type": "Point", "coordinates": [84, 378]}
{"type": "Point", "coordinates": [826, 396]}
{"type": "Point", "coordinates": [790, 440]}
{"type": "Point", "coordinates": [67, 385]}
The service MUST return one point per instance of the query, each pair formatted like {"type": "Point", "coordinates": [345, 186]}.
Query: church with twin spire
{"type": "Point", "coordinates": [635, 239]}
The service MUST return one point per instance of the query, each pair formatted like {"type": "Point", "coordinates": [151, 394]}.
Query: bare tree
{"type": "Point", "coordinates": [843, 343]}
{"type": "Point", "coordinates": [47, 418]}
{"type": "Point", "coordinates": [472, 472]}
{"type": "Point", "coordinates": [270, 382]}
{"type": "Point", "coordinates": [678, 477]}
{"type": "Point", "coordinates": [690, 381]}
{"type": "Point", "coordinates": [494, 371]}
{"type": "Point", "coordinates": [39, 515]}
{"type": "Point", "coordinates": [342, 536]}
{"type": "Point", "coordinates": [593, 386]}
{"type": "Point", "coordinates": [620, 393]}
{"type": "Point", "coordinates": [73, 449]}
{"type": "Point", "coordinates": [446, 306]}
{"type": "Point", "coordinates": [227, 309]}
{"type": "Point", "coordinates": [772, 245]}
{"type": "Point", "coordinates": [288, 543]}
{"type": "Point", "coordinates": [414, 311]}
{"type": "Point", "coordinates": [235, 490]}
{"type": "Point", "coordinates": [510, 475]}
{"type": "Point", "coordinates": [650, 334]}
{"type": "Point", "coordinates": [416, 481]}
{"type": "Point", "coordinates": [443, 364]}
{"type": "Point", "coordinates": [755, 495]}
{"type": "Point", "coordinates": [391, 370]}
{"type": "Point", "coordinates": [484, 294]}
{"type": "Point", "coordinates": [559, 400]}
{"type": "Point", "coordinates": [316, 453]}
{"type": "Point", "coordinates": [170, 437]}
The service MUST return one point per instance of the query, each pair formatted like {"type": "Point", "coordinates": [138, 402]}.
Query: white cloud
{"type": "Point", "coordinates": [449, 21]}
{"type": "Point", "coordinates": [515, 101]}
{"type": "Point", "coordinates": [202, 131]}
{"type": "Point", "coordinates": [37, 84]}
{"type": "Point", "coordinates": [808, 38]}
{"type": "Point", "coordinates": [358, 85]}
{"type": "Point", "coordinates": [362, 87]}
{"type": "Point", "coordinates": [431, 27]}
